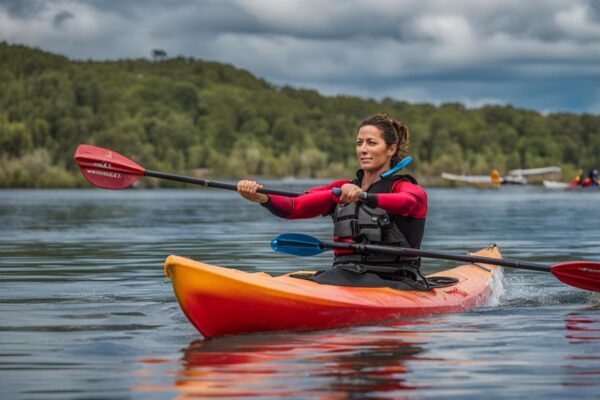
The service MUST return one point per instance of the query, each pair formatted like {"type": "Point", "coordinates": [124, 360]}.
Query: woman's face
{"type": "Point", "coordinates": [372, 151]}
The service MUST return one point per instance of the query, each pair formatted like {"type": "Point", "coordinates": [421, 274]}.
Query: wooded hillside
{"type": "Point", "coordinates": [183, 115]}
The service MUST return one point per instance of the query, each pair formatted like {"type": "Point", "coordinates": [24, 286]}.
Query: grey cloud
{"type": "Point", "coordinates": [594, 10]}
{"type": "Point", "coordinates": [523, 26]}
{"type": "Point", "coordinates": [212, 18]}
{"type": "Point", "coordinates": [360, 46]}
{"type": "Point", "coordinates": [23, 9]}
{"type": "Point", "coordinates": [62, 17]}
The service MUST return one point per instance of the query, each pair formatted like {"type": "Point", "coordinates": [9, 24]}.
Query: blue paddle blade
{"type": "Point", "coordinates": [297, 244]}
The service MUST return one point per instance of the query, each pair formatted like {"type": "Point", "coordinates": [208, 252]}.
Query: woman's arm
{"type": "Point", "coordinates": [406, 199]}
{"type": "Point", "coordinates": [315, 202]}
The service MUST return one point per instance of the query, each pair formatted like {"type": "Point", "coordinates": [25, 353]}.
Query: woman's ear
{"type": "Point", "coordinates": [392, 149]}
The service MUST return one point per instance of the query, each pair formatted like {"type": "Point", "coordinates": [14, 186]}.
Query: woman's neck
{"type": "Point", "coordinates": [370, 177]}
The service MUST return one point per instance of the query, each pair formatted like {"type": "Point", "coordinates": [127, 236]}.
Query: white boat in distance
{"type": "Point", "coordinates": [555, 185]}
{"type": "Point", "coordinates": [515, 176]}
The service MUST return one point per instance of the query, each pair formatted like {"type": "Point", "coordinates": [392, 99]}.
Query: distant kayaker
{"type": "Point", "coordinates": [578, 181]}
{"type": "Point", "coordinates": [394, 214]}
{"type": "Point", "coordinates": [592, 178]}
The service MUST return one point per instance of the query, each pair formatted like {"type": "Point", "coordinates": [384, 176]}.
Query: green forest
{"type": "Point", "coordinates": [194, 117]}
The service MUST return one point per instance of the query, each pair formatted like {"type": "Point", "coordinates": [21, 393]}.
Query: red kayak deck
{"type": "Point", "coordinates": [222, 301]}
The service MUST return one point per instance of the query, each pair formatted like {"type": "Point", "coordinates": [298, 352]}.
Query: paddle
{"type": "Point", "coordinates": [110, 170]}
{"type": "Point", "coordinates": [581, 274]}
{"type": "Point", "coordinates": [403, 163]}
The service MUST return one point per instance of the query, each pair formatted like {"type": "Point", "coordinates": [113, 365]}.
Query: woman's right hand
{"type": "Point", "coordinates": [350, 193]}
{"type": "Point", "coordinates": [248, 190]}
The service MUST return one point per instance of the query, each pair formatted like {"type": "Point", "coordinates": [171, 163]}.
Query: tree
{"type": "Point", "coordinates": [159, 55]}
{"type": "Point", "coordinates": [183, 114]}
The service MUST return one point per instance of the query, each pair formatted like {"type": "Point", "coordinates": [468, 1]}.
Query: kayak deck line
{"type": "Point", "coordinates": [223, 301]}
{"type": "Point", "coordinates": [481, 266]}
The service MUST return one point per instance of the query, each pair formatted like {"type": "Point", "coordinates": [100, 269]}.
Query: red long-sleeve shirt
{"type": "Point", "coordinates": [406, 199]}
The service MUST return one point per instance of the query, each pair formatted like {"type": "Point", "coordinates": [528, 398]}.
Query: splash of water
{"type": "Point", "coordinates": [497, 288]}
{"type": "Point", "coordinates": [532, 289]}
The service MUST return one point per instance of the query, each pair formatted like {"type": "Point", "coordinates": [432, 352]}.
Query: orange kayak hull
{"type": "Point", "coordinates": [222, 301]}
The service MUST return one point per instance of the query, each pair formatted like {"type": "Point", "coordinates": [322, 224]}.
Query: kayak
{"type": "Point", "coordinates": [223, 301]}
{"type": "Point", "coordinates": [568, 186]}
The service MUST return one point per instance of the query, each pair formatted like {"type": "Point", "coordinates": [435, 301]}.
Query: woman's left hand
{"type": "Point", "coordinates": [350, 193]}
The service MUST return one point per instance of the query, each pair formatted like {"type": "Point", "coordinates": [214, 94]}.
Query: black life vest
{"type": "Point", "coordinates": [360, 223]}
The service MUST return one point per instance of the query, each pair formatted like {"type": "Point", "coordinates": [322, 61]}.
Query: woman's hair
{"type": "Point", "coordinates": [393, 132]}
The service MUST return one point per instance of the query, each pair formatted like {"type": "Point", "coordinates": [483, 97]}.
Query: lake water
{"type": "Point", "coordinates": [86, 312]}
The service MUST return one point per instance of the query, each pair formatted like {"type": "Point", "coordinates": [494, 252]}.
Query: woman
{"type": "Point", "coordinates": [394, 214]}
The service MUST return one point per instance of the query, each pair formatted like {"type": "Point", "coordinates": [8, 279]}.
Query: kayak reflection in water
{"type": "Point", "coordinates": [394, 213]}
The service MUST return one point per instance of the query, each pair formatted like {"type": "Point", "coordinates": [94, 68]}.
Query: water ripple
{"type": "Point", "coordinates": [86, 311]}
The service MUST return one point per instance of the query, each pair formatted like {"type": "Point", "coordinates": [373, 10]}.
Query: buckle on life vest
{"type": "Point", "coordinates": [384, 221]}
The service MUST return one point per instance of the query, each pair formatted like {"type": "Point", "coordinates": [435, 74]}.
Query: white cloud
{"type": "Point", "coordinates": [576, 23]}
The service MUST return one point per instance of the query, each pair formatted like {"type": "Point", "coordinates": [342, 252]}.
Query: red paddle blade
{"type": "Point", "coordinates": [106, 168]}
{"type": "Point", "coordinates": [581, 274]}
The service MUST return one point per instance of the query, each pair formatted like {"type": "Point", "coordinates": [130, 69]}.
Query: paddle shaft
{"type": "Point", "coordinates": [218, 185]}
{"type": "Point", "coordinates": [401, 251]}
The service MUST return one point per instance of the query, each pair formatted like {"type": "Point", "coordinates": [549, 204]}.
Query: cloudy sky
{"type": "Point", "coordinates": [539, 54]}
